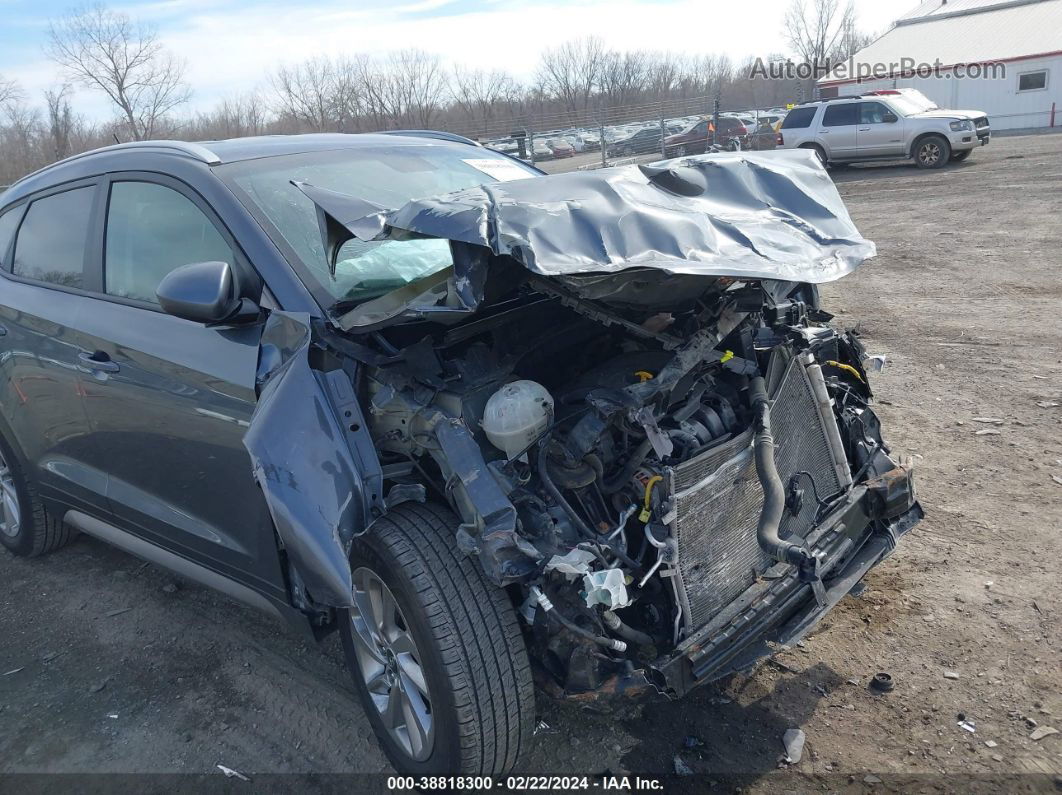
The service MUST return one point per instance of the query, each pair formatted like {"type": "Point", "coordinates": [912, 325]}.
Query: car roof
{"type": "Point", "coordinates": [213, 153]}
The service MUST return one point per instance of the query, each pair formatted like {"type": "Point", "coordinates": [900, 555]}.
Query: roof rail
{"type": "Point", "coordinates": [438, 134]}
{"type": "Point", "coordinates": [833, 99]}
{"type": "Point", "coordinates": [197, 151]}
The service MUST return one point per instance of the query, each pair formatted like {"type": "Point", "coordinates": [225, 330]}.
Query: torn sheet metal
{"type": "Point", "coordinates": [315, 481]}
{"type": "Point", "coordinates": [766, 215]}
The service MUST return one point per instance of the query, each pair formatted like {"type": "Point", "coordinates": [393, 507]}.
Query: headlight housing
{"type": "Point", "coordinates": [958, 126]}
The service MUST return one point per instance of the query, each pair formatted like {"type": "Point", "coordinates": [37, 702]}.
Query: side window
{"type": "Point", "coordinates": [798, 118]}
{"type": "Point", "coordinates": [841, 115]}
{"type": "Point", "coordinates": [52, 239]}
{"type": "Point", "coordinates": [151, 230]}
{"type": "Point", "coordinates": [1032, 81]}
{"type": "Point", "coordinates": [872, 113]}
{"type": "Point", "coordinates": [8, 225]}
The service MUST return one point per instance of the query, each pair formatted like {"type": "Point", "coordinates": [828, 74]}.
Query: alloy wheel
{"type": "Point", "coordinates": [929, 153]}
{"type": "Point", "coordinates": [390, 665]}
{"type": "Point", "coordinates": [10, 517]}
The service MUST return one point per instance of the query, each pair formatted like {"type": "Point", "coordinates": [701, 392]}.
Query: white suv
{"type": "Point", "coordinates": [883, 126]}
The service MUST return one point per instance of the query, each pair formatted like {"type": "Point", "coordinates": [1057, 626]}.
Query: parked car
{"type": "Point", "coordinates": [540, 149]}
{"type": "Point", "coordinates": [644, 141]}
{"type": "Point", "coordinates": [560, 147]}
{"type": "Point", "coordinates": [576, 141]}
{"type": "Point", "coordinates": [884, 127]}
{"type": "Point", "coordinates": [463, 447]}
{"type": "Point", "coordinates": [696, 139]}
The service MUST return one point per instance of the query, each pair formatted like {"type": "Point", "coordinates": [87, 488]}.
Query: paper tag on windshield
{"type": "Point", "coordinates": [500, 170]}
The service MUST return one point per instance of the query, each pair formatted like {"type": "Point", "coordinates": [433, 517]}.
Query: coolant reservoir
{"type": "Point", "coordinates": [516, 415]}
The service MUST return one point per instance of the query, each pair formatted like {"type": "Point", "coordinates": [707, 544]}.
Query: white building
{"type": "Point", "coordinates": [1003, 57]}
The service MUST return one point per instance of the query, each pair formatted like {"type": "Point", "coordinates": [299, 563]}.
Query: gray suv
{"type": "Point", "coordinates": [482, 446]}
{"type": "Point", "coordinates": [884, 127]}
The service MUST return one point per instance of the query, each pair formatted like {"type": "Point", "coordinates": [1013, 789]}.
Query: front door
{"type": "Point", "coordinates": [173, 398]}
{"type": "Point", "coordinates": [876, 136]}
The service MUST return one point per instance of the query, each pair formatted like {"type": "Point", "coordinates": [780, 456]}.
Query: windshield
{"type": "Point", "coordinates": [907, 105]}
{"type": "Point", "coordinates": [387, 176]}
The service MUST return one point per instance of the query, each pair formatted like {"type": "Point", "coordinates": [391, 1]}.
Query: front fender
{"type": "Point", "coordinates": [319, 484]}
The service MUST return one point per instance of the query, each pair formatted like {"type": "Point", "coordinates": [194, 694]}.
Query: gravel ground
{"type": "Point", "coordinates": [111, 665]}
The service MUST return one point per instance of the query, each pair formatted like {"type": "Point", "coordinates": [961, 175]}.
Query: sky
{"type": "Point", "coordinates": [232, 45]}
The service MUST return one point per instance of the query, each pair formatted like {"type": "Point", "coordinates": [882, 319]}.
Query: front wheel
{"type": "Point", "coordinates": [932, 152]}
{"type": "Point", "coordinates": [435, 650]}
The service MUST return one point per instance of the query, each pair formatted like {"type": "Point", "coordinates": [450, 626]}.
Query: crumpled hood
{"type": "Point", "coordinates": [766, 215]}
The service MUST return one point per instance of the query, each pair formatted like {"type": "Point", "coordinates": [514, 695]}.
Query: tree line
{"type": "Point", "coordinates": [577, 83]}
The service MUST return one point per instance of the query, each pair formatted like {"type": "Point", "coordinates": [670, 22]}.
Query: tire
{"type": "Point", "coordinates": [452, 631]}
{"type": "Point", "coordinates": [27, 528]}
{"type": "Point", "coordinates": [681, 151]}
{"type": "Point", "coordinates": [958, 157]}
{"type": "Point", "coordinates": [933, 151]}
{"type": "Point", "coordinates": [820, 153]}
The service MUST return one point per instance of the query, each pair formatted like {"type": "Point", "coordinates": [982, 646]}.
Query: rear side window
{"type": "Point", "coordinates": [8, 225]}
{"type": "Point", "coordinates": [151, 230]}
{"type": "Point", "coordinates": [798, 118]}
{"type": "Point", "coordinates": [52, 240]}
{"type": "Point", "coordinates": [841, 115]}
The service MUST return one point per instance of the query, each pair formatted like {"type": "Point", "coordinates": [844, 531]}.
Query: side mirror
{"type": "Point", "coordinates": [889, 118]}
{"type": "Point", "coordinates": [203, 292]}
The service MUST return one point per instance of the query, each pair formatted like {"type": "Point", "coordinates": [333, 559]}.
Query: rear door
{"type": "Point", "coordinates": [875, 136]}
{"type": "Point", "coordinates": [170, 407]}
{"type": "Point", "coordinates": [839, 126]}
{"type": "Point", "coordinates": [45, 250]}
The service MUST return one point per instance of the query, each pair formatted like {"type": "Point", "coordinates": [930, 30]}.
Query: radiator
{"type": "Point", "coordinates": [717, 497]}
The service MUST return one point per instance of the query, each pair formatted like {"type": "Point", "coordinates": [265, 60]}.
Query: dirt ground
{"type": "Point", "coordinates": [108, 664]}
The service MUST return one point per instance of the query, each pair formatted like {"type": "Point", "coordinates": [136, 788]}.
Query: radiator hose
{"type": "Point", "coordinates": [773, 490]}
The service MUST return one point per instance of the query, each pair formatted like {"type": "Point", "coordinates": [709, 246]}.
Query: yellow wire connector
{"type": "Point", "coordinates": [847, 368]}
{"type": "Point", "coordinates": [726, 357]}
{"type": "Point", "coordinates": [643, 517]}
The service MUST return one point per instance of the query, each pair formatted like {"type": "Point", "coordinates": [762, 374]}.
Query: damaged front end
{"type": "Point", "coordinates": [635, 403]}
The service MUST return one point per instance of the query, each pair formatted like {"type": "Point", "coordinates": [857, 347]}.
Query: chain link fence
{"type": "Point", "coordinates": [604, 135]}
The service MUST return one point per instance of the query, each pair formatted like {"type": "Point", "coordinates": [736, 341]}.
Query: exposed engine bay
{"type": "Point", "coordinates": [624, 386]}
{"type": "Point", "coordinates": [630, 468]}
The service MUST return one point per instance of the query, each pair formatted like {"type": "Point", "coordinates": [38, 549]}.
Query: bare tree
{"type": "Point", "coordinates": [478, 93]}
{"type": "Point", "coordinates": [851, 41]}
{"type": "Point", "coordinates": [418, 86]}
{"type": "Point", "coordinates": [624, 75]}
{"type": "Point", "coordinates": [10, 91]}
{"type": "Point", "coordinates": [572, 71]}
{"type": "Point", "coordinates": [306, 92]}
{"type": "Point", "coordinates": [61, 120]}
{"type": "Point", "coordinates": [814, 28]}
{"type": "Point", "coordinates": [107, 51]}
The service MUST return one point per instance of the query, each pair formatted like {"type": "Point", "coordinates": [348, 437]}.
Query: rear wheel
{"type": "Point", "coordinates": [958, 157]}
{"type": "Point", "coordinates": [820, 153]}
{"type": "Point", "coordinates": [932, 152]}
{"type": "Point", "coordinates": [26, 526]}
{"type": "Point", "coordinates": [681, 151]}
{"type": "Point", "coordinates": [435, 650]}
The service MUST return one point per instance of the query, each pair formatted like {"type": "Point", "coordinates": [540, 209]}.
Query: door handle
{"type": "Point", "coordinates": [98, 361]}
{"type": "Point", "coordinates": [864, 129]}
{"type": "Point", "coordinates": [3, 331]}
